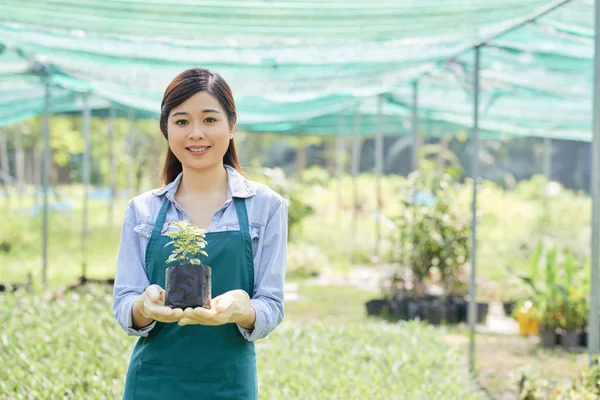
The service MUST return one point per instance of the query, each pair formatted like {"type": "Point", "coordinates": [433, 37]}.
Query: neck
{"type": "Point", "coordinates": [202, 182]}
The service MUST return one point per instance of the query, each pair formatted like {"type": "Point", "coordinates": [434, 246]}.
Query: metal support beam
{"type": "Point", "coordinates": [111, 160]}
{"type": "Point", "coordinates": [19, 164]}
{"type": "Point", "coordinates": [415, 125]}
{"type": "Point", "coordinates": [45, 179]}
{"type": "Point", "coordinates": [547, 158]}
{"type": "Point", "coordinates": [339, 167]}
{"type": "Point", "coordinates": [356, 145]}
{"type": "Point", "coordinates": [131, 175]}
{"type": "Point", "coordinates": [472, 311]}
{"type": "Point", "coordinates": [87, 115]}
{"type": "Point", "coordinates": [378, 172]}
{"type": "Point", "coordinates": [516, 25]}
{"type": "Point", "coordinates": [594, 318]}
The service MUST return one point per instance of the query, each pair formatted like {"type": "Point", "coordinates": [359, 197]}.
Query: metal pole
{"type": "Point", "coordinates": [19, 163]}
{"type": "Point", "coordinates": [548, 158]}
{"type": "Point", "coordinates": [378, 171]}
{"type": "Point", "coordinates": [111, 157]}
{"type": "Point", "coordinates": [86, 181]}
{"type": "Point", "coordinates": [472, 312]}
{"type": "Point", "coordinates": [415, 124]}
{"type": "Point", "coordinates": [339, 170]}
{"type": "Point", "coordinates": [5, 175]}
{"type": "Point", "coordinates": [46, 178]}
{"type": "Point", "coordinates": [355, 169]}
{"type": "Point", "coordinates": [594, 318]}
{"type": "Point", "coordinates": [131, 175]}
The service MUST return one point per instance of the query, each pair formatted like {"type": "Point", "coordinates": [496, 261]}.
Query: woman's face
{"type": "Point", "coordinates": [199, 132]}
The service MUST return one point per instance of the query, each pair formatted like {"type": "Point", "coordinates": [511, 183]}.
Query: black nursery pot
{"type": "Point", "coordinates": [188, 285]}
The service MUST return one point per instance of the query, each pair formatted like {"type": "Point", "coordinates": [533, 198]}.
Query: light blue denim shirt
{"type": "Point", "coordinates": [267, 217]}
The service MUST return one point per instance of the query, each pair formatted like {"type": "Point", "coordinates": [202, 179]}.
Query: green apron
{"type": "Point", "coordinates": [194, 361]}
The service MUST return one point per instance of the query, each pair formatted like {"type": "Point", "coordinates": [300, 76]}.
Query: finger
{"type": "Point", "coordinates": [153, 292]}
{"type": "Point", "coordinates": [187, 321]}
{"type": "Point", "coordinates": [198, 312]}
{"type": "Point", "coordinates": [168, 320]}
{"type": "Point", "coordinates": [164, 312]}
{"type": "Point", "coordinates": [201, 312]}
{"type": "Point", "coordinates": [195, 321]}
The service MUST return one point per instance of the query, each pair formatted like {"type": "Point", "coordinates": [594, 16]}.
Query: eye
{"type": "Point", "coordinates": [210, 120]}
{"type": "Point", "coordinates": [181, 122]}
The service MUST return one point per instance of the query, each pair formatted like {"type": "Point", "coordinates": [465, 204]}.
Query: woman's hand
{"type": "Point", "coordinates": [151, 305]}
{"type": "Point", "coordinates": [230, 307]}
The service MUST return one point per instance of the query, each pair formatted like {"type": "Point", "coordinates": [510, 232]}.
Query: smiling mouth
{"type": "Point", "coordinates": [197, 150]}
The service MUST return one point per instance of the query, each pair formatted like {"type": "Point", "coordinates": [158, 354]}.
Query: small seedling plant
{"type": "Point", "coordinates": [188, 241]}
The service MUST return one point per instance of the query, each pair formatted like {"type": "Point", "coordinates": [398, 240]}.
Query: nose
{"type": "Point", "coordinates": [196, 132]}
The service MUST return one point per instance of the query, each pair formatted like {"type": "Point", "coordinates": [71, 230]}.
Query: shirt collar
{"type": "Point", "coordinates": [239, 186]}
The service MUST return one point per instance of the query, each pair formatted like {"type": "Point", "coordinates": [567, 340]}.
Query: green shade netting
{"type": "Point", "coordinates": [257, 22]}
{"type": "Point", "coordinates": [302, 67]}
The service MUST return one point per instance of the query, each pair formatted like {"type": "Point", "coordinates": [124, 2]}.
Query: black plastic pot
{"type": "Point", "coordinates": [399, 307]}
{"type": "Point", "coordinates": [583, 339]}
{"type": "Point", "coordinates": [569, 339]}
{"type": "Point", "coordinates": [462, 310]}
{"type": "Point", "coordinates": [188, 285]}
{"type": "Point", "coordinates": [413, 309]}
{"type": "Point", "coordinates": [482, 312]}
{"type": "Point", "coordinates": [433, 310]}
{"type": "Point", "coordinates": [454, 310]}
{"type": "Point", "coordinates": [508, 308]}
{"type": "Point", "coordinates": [377, 307]}
{"type": "Point", "coordinates": [548, 337]}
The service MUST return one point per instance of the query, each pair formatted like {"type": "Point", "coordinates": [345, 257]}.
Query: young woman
{"type": "Point", "coordinates": [201, 353]}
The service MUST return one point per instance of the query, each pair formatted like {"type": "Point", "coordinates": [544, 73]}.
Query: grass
{"type": "Point", "coordinates": [71, 347]}
{"type": "Point", "coordinates": [499, 358]}
{"type": "Point", "coordinates": [65, 252]}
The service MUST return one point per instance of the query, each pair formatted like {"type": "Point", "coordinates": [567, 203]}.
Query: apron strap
{"type": "Point", "coordinates": [160, 220]}
{"type": "Point", "coordinates": [242, 213]}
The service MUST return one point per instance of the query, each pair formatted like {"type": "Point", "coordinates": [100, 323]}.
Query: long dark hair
{"type": "Point", "coordinates": [184, 86]}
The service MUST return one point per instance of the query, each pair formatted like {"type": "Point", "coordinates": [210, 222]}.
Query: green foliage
{"type": "Point", "coordinates": [432, 235]}
{"type": "Point", "coordinates": [305, 261]}
{"type": "Point", "coordinates": [556, 284]}
{"type": "Point", "coordinates": [529, 389]}
{"type": "Point", "coordinates": [585, 387]}
{"type": "Point", "coordinates": [188, 242]}
{"type": "Point", "coordinates": [65, 140]}
{"type": "Point", "coordinates": [289, 189]}
{"type": "Point", "coordinates": [71, 347]}
{"type": "Point", "coordinates": [11, 236]}
{"type": "Point", "coordinates": [314, 176]}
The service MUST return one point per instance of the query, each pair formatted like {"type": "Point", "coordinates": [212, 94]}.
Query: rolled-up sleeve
{"type": "Point", "coordinates": [131, 278]}
{"type": "Point", "coordinates": [270, 265]}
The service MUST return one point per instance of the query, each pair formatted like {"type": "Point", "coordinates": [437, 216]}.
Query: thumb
{"type": "Point", "coordinates": [154, 293]}
{"type": "Point", "coordinates": [224, 303]}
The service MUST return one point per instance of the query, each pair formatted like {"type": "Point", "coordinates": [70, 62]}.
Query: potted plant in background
{"type": "Point", "coordinates": [430, 247]}
{"type": "Point", "coordinates": [557, 296]}
{"type": "Point", "coordinates": [574, 318]}
{"type": "Point", "coordinates": [188, 282]}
